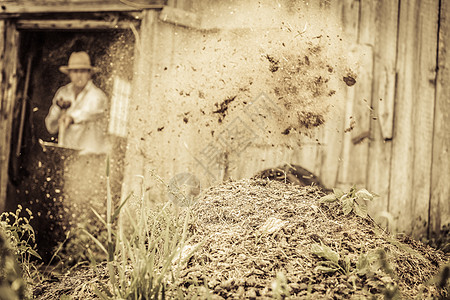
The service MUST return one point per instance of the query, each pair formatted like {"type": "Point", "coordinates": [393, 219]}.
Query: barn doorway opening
{"type": "Point", "coordinates": [59, 185]}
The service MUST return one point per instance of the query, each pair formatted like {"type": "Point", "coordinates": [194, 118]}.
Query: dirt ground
{"type": "Point", "coordinates": [260, 241]}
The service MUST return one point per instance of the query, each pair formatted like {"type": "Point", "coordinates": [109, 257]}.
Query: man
{"type": "Point", "coordinates": [78, 109]}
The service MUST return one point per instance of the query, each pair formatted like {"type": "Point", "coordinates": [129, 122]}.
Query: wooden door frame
{"type": "Point", "coordinates": [9, 39]}
{"type": "Point", "coordinates": [9, 64]}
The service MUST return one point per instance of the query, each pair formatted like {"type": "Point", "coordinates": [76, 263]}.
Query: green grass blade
{"type": "Point", "coordinates": [117, 211]}
{"type": "Point", "coordinates": [96, 241]}
{"type": "Point", "coordinates": [98, 216]}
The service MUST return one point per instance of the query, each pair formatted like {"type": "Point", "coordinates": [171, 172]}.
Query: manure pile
{"type": "Point", "coordinates": [258, 242]}
{"type": "Point", "coordinates": [259, 238]}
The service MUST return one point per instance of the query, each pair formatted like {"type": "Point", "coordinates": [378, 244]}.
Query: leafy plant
{"type": "Point", "coordinates": [20, 234]}
{"type": "Point", "coordinates": [353, 201]}
{"type": "Point", "coordinates": [12, 286]}
{"type": "Point", "coordinates": [441, 281]}
{"type": "Point", "coordinates": [17, 248]}
{"type": "Point", "coordinates": [332, 262]}
{"type": "Point", "coordinates": [367, 266]}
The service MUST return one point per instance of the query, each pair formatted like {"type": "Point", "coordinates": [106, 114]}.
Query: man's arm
{"type": "Point", "coordinates": [94, 108]}
{"type": "Point", "coordinates": [51, 121]}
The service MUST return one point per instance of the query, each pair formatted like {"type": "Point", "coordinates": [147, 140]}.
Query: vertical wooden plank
{"type": "Point", "coordinates": [8, 54]}
{"type": "Point", "coordinates": [119, 107]}
{"type": "Point", "coordinates": [353, 167]}
{"type": "Point", "coordinates": [2, 56]}
{"type": "Point", "coordinates": [378, 26]}
{"type": "Point", "coordinates": [424, 115]}
{"type": "Point", "coordinates": [307, 155]}
{"type": "Point", "coordinates": [330, 135]}
{"type": "Point", "coordinates": [361, 114]}
{"type": "Point", "coordinates": [3, 158]}
{"type": "Point", "coordinates": [400, 204]}
{"type": "Point", "coordinates": [411, 154]}
{"type": "Point", "coordinates": [440, 188]}
{"type": "Point", "coordinates": [385, 29]}
{"type": "Point", "coordinates": [350, 19]}
{"type": "Point", "coordinates": [331, 144]}
{"type": "Point", "coordinates": [350, 25]}
{"type": "Point", "coordinates": [368, 14]}
{"type": "Point", "coordinates": [138, 111]}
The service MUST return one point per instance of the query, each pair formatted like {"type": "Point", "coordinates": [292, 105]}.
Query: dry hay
{"type": "Point", "coordinates": [79, 284]}
{"type": "Point", "coordinates": [254, 229]}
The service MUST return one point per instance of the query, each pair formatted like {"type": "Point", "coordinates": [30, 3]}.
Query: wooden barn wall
{"type": "Point", "coordinates": [402, 103]}
{"type": "Point", "coordinates": [400, 100]}
{"type": "Point", "coordinates": [399, 147]}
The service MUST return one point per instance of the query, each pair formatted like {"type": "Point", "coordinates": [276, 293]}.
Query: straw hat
{"type": "Point", "coordinates": [78, 60]}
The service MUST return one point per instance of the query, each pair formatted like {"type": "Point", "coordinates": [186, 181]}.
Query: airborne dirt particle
{"type": "Point", "coordinates": [223, 107]}
{"type": "Point", "coordinates": [286, 131]}
{"type": "Point", "coordinates": [351, 126]}
{"type": "Point", "coordinates": [311, 119]}
{"type": "Point", "coordinates": [297, 65]}
{"type": "Point", "coordinates": [349, 79]}
{"type": "Point", "coordinates": [274, 63]}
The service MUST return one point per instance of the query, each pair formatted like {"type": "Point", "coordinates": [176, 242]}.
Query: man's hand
{"type": "Point", "coordinates": [63, 104]}
{"type": "Point", "coordinates": [65, 121]}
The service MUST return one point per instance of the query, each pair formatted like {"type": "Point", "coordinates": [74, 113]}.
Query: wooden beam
{"type": "Point", "coordinates": [378, 27]}
{"type": "Point", "coordinates": [61, 6]}
{"type": "Point", "coordinates": [368, 15]}
{"type": "Point", "coordinates": [8, 52]}
{"type": "Point", "coordinates": [74, 24]}
{"type": "Point", "coordinates": [180, 17]}
{"type": "Point", "coordinates": [2, 63]}
{"type": "Point", "coordinates": [440, 188]}
{"type": "Point", "coordinates": [412, 143]}
{"type": "Point", "coordinates": [353, 167]}
{"type": "Point", "coordinates": [141, 88]}
{"type": "Point", "coordinates": [361, 114]}
{"type": "Point", "coordinates": [384, 30]}
{"type": "Point", "coordinates": [350, 18]}
{"type": "Point", "coordinates": [330, 135]}
{"type": "Point", "coordinates": [350, 27]}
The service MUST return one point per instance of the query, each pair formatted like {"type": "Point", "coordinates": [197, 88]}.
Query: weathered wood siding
{"type": "Point", "coordinates": [11, 7]}
{"type": "Point", "coordinates": [440, 168]}
{"type": "Point", "coordinates": [8, 67]}
{"type": "Point", "coordinates": [383, 36]}
{"type": "Point", "coordinates": [413, 128]}
{"type": "Point", "coordinates": [406, 159]}
{"type": "Point", "coordinates": [399, 146]}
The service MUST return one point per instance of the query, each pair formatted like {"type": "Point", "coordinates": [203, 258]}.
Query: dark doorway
{"type": "Point", "coordinates": [35, 173]}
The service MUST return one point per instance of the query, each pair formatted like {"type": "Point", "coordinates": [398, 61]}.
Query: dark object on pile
{"type": "Point", "coordinates": [293, 174]}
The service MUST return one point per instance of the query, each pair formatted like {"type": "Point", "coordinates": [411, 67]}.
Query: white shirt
{"type": "Point", "coordinates": [88, 110]}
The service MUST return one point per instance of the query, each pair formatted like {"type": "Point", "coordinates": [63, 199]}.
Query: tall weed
{"type": "Point", "coordinates": [17, 247]}
{"type": "Point", "coordinates": [145, 249]}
